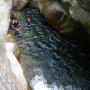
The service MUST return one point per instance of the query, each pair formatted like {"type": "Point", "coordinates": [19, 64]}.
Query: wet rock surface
{"type": "Point", "coordinates": [49, 61]}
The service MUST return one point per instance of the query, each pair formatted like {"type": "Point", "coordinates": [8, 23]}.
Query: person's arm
{"type": "Point", "coordinates": [13, 27]}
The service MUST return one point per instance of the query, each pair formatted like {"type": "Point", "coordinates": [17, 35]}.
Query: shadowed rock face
{"type": "Point", "coordinates": [11, 39]}
{"type": "Point", "coordinates": [79, 10]}
{"type": "Point", "coordinates": [85, 4]}
{"type": "Point", "coordinates": [63, 15]}
{"type": "Point", "coordinates": [56, 15]}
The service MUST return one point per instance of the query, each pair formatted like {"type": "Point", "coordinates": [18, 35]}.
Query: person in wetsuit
{"type": "Point", "coordinates": [14, 22]}
{"type": "Point", "coordinates": [28, 23]}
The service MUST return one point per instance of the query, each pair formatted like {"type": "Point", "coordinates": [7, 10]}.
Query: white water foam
{"type": "Point", "coordinates": [40, 83]}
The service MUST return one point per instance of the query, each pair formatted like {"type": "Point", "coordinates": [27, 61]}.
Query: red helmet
{"type": "Point", "coordinates": [28, 17]}
{"type": "Point", "coordinates": [18, 30]}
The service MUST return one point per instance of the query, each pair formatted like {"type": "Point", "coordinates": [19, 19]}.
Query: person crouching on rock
{"type": "Point", "coordinates": [28, 23]}
{"type": "Point", "coordinates": [17, 33]}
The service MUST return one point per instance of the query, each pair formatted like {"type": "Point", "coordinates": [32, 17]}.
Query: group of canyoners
{"type": "Point", "coordinates": [15, 24]}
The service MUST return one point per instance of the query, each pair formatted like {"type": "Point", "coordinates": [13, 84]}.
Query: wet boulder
{"type": "Point", "coordinates": [16, 49]}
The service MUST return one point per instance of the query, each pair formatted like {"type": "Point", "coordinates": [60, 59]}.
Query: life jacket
{"type": "Point", "coordinates": [18, 30]}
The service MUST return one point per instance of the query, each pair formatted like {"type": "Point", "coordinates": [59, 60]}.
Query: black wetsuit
{"type": "Point", "coordinates": [28, 24]}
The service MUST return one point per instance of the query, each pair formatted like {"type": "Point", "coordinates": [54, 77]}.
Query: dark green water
{"type": "Point", "coordinates": [50, 62]}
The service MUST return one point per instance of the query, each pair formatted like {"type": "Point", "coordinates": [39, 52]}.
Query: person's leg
{"type": "Point", "coordinates": [16, 34]}
{"type": "Point", "coordinates": [19, 35]}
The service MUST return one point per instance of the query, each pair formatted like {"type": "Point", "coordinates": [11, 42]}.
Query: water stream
{"type": "Point", "coordinates": [50, 62]}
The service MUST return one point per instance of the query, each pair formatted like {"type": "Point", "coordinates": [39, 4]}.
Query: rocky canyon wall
{"type": "Point", "coordinates": [11, 74]}
{"type": "Point", "coordinates": [19, 4]}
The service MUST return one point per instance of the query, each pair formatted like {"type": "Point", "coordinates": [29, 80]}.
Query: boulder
{"type": "Point", "coordinates": [11, 39]}
{"type": "Point", "coordinates": [19, 4]}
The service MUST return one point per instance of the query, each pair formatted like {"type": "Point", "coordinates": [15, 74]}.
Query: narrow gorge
{"type": "Point", "coordinates": [53, 53]}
